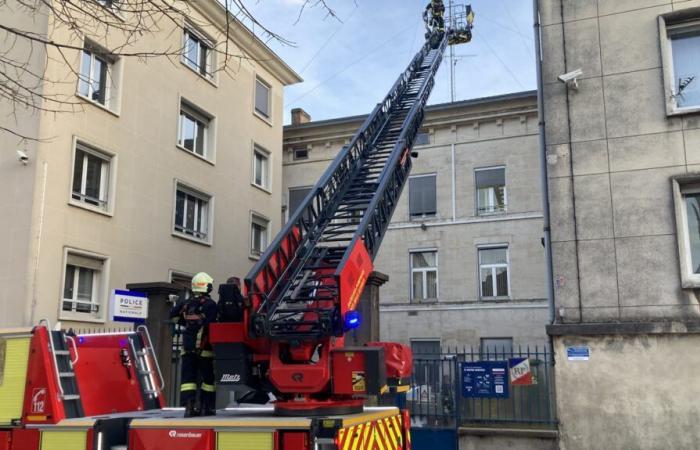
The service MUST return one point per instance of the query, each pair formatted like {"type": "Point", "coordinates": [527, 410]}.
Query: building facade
{"type": "Point", "coordinates": [168, 166]}
{"type": "Point", "coordinates": [463, 251]}
{"type": "Point", "coordinates": [623, 155]}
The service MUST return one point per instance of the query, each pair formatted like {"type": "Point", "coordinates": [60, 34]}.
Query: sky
{"type": "Point", "coordinates": [349, 64]}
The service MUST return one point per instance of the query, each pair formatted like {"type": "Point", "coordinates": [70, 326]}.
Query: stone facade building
{"type": "Point", "coordinates": [167, 168]}
{"type": "Point", "coordinates": [623, 160]}
{"type": "Point", "coordinates": [463, 251]}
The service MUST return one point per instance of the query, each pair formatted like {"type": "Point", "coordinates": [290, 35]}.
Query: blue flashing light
{"type": "Point", "coordinates": [81, 339]}
{"type": "Point", "coordinates": [352, 320]}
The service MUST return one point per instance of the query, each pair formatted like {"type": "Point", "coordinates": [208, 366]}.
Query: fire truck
{"type": "Point", "coordinates": [284, 366]}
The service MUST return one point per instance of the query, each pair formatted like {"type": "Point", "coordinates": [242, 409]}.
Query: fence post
{"type": "Point", "coordinates": [458, 397]}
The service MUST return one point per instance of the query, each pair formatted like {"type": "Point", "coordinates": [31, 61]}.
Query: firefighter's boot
{"type": "Point", "coordinates": [208, 399]}
{"type": "Point", "coordinates": [191, 408]}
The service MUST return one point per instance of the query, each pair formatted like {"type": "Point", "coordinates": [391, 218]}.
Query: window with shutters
{"type": "Point", "coordinates": [422, 201]}
{"type": "Point", "coordinates": [490, 190]}
{"type": "Point", "coordinates": [493, 272]}
{"type": "Point", "coordinates": [197, 52]}
{"type": "Point", "coordinates": [83, 290]}
{"type": "Point", "coordinates": [195, 131]}
{"type": "Point", "coordinates": [261, 168]}
{"type": "Point", "coordinates": [91, 178]}
{"type": "Point", "coordinates": [296, 196]}
{"type": "Point", "coordinates": [424, 275]}
{"type": "Point", "coordinates": [97, 80]}
{"type": "Point", "coordinates": [193, 214]}
{"type": "Point", "coordinates": [259, 234]}
{"type": "Point", "coordinates": [262, 99]}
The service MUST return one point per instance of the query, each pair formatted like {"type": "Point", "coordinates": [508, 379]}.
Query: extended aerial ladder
{"type": "Point", "coordinates": [303, 293]}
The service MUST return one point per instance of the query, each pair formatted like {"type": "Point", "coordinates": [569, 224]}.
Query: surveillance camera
{"type": "Point", "coordinates": [22, 157]}
{"type": "Point", "coordinates": [571, 78]}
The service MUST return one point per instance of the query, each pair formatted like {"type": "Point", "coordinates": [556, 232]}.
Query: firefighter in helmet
{"type": "Point", "coordinates": [195, 315]}
{"type": "Point", "coordinates": [434, 16]}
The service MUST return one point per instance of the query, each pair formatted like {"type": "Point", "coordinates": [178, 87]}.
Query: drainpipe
{"type": "Point", "coordinates": [454, 184]}
{"type": "Point", "coordinates": [543, 164]}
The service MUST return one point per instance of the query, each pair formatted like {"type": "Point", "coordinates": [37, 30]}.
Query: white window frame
{"type": "Point", "coordinates": [424, 271]}
{"type": "Point", "coordinates": [492, 194]}
{"type": "Point", "coordinates": [267, 118]}
{"type": "Point", "coordinates": [681, 186]}
{"type": "Point", "coordinates": [100, 289]}
{"type": "Point", "coordinates": [109, 184]}
{"type": "Point", "coordinates": [493, 268]}
{"type": "Point", "coordinates": [255, 216]}
{"type": "Point", "coordinates": [422, 216]}
{"type": "Point", "coordinates": [200, 115]}
{"type": "Point", "coordinates": [190, 190]}
{"type": "Point", "coordinates": [267, 174]}
{"type": "Point", "coordinates": [686, 18]}
{"type": "Point", "coordinates": [112, 78]}
{"type": "Point", "coordinates": [205, 42]}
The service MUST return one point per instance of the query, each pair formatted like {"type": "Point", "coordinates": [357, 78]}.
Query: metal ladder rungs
{"type": "Point", "coordinates": [62, 352]}
{"type": "Point", "coordinates": [71, 397]}
{"type": "Point", "coordinates": [66, 374]}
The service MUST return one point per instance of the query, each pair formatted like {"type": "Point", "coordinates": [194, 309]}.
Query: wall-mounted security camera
{"type": "Point", "coordinates": [22, 157]}
{"type": "Point", "coordinates": [571, 78]}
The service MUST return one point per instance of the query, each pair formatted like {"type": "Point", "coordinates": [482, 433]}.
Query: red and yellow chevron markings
{"type": "Point", "coordinates": [381, 434]}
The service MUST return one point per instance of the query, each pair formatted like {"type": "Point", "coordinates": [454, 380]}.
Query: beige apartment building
{"type": "Point", "coordinates": [169, 166]}
{"type": "Point", "coordinates": [463, 251]}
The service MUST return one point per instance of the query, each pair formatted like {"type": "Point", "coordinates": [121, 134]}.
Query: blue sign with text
{"type": "Point", "coordinates": [485, 379]}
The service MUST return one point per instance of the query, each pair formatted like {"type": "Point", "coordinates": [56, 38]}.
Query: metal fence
{"type": "Point", "coordinates": [436, 398]}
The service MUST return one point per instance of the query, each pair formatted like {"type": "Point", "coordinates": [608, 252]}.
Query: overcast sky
{"type": "Point", "coordinates": [349, 65]}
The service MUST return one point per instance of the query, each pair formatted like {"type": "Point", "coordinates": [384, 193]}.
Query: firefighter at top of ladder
{"type": "Point", "coordinates": [433, 16]}
{"type": "Point", "coordinates": [195, 315]}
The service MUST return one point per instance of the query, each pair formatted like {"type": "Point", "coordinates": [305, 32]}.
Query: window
{"type": "Point", "coordinates": [261, 168]}
{"type": "Point", "coordinates": [422, 138]}
{"type": "Point", "coordinates": [496, 348]}
{"type": "Point", "coordinates": [421, 196]}
{"type": "Point", "coordinates": [491, 190]}
{"type": "Point", "coordinates": [424, 276]}
{"type": "Point", "coordinates": [197, 53]}
{"type": "Point", "coordinates": [258, 235]}
{"type": "Point", "coordinates": [493, 272]}
{"type": "Point", "coordinates": [194, 130]}
{"type": "Point", "coordinates": [301, 153]}
{"type": "Point", "coordinates": [686, 192]}
{"type": "Point", "coordinates": [82, 286]}
{"type": "Point", "coordinates": [192, 213]}
{"type": "Point", "coordinates": [296, 196]}
{"type": "Point", "coordinates": [262, 98]}
{"type": "Point", "coordinates": [91, 173]}
{"type": "Point", "coordinates": [95, 75]}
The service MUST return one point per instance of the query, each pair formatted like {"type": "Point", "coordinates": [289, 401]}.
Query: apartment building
{"type": "Point", "coordinates": [623, 155]}
{"type": "Point", "coordinates": [170, 165]}
{"type": "Point", "coordinates": [463, 252]}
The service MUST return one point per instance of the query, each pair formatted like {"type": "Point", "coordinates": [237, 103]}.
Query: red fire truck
{"type": "Point", "coordinates": [61, 391]}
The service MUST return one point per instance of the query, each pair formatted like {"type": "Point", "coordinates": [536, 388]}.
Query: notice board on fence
{"type": "Point", "coordinates": [485, 379]}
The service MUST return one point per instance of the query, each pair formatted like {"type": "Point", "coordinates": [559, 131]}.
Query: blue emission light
{"type": "Point", "coordinates": [352, 320]}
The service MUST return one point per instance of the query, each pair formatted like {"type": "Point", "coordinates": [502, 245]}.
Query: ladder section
{"type": "Point", "coordinates": [146, 367]}
{"type": "Point", "coordinates": [294, 287]}
{"type": "Point", "coordinates": [65, 372]}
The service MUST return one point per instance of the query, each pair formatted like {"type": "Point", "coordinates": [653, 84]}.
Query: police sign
{"type": "Point", "coordinates": [129, 306]}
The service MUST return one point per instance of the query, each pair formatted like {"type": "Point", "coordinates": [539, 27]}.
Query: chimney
{"type": "Point", "coordinates": [299, 116]}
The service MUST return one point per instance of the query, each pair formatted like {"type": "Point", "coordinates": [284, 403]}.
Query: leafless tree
{"type": "Point", "coordinates": [37, 33]}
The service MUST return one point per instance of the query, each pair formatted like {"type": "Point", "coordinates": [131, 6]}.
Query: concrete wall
{"type": "Point", "coordinates": [635, 392]}
{"type": "Point", "coordinates": [141, 133]}
{"type": "Point", "coordinates": [612, 152]}
{"type": "Point", "coordinates": [18, 244]}
{"type": "Point", "coordinates": [471, 439]}
{"type": "Point", "coordinates": [485, 132]}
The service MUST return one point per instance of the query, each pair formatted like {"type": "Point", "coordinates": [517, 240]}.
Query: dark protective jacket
{"type": "Point", "coordinates": [203, 306]}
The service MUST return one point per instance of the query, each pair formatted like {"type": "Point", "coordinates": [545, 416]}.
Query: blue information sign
{"type": "Point", "coordinates": [485, 379]}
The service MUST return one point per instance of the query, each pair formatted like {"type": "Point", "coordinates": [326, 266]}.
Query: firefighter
{"type": "Point", "coordinates": [434, 16]}
{"type": "Point", "coordinates": [195, 315]}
